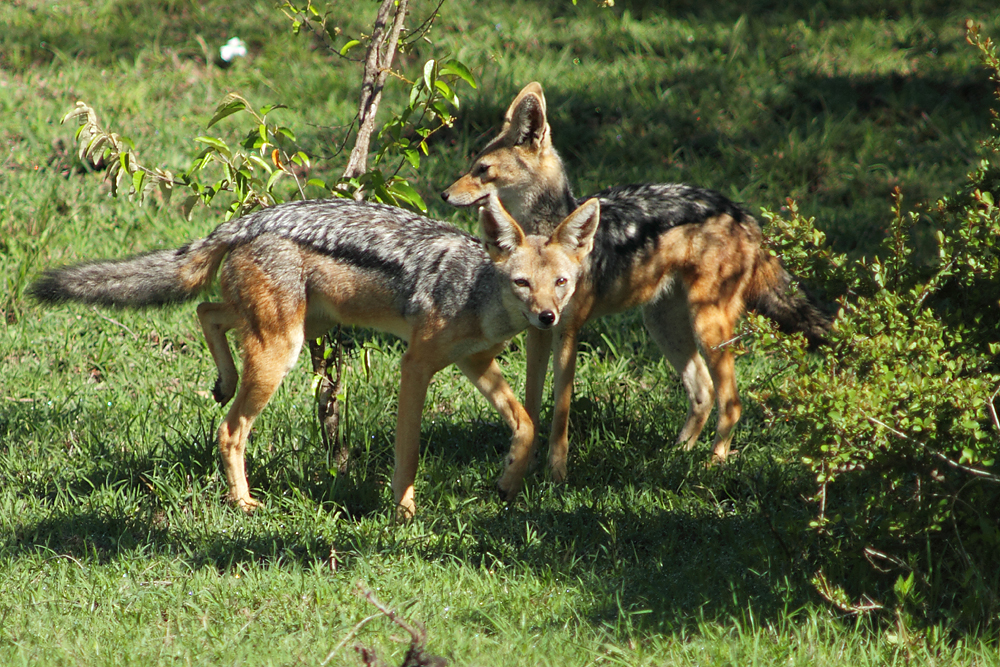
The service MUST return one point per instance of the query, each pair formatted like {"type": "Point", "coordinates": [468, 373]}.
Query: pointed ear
{"type": "Point", "coordinates": [576, 232]}
{"type": "Point", "coordinates": [533, 89]}
{"type": "Point", "coordinates": [525, 120]}
{"type": "Point", "coordinates": [500, 232]}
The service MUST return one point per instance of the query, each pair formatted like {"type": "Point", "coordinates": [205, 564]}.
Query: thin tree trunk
{"type": "Point", "coordinates": [378, 61]}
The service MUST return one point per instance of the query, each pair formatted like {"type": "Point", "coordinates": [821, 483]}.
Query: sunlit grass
{"type": "Point", "coordinates": [115, 544]}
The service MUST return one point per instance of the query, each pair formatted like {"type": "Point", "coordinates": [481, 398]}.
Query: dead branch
{"type": "Point", "coordinates": [327, 390]}
{"type": "Point", "coordinates": [982, 474]}
{"type": "Point", "coordinates": [381, 51]}
{"type": "Point", "coordinates": [417, 655]}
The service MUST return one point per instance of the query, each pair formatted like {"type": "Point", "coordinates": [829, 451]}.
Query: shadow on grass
{"type": "Point", "coordinates": [654, 538]}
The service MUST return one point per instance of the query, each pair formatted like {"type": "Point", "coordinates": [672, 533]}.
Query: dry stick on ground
{"type": "Point", "coordinates": [381, 51]}
{"type": "Point", "coordinates": [416, 656]}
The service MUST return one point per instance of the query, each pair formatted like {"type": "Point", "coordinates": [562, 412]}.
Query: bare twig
{"type": "Point", "coordinates": [982, 474]}
{"type": "Point", "coordinates": [871, 554]}
{"type": "Point", "coordinates": [114, 321]}
{"type": "Point", "coordinates": [350, 635]}
{"type": "Point", "coordinates": [993, 410]}
{"type": "Point", "coordinates": [838, 598]}
{"type": "Point", "coordinates": [425, 27]}
{"type": "Point", "coordinates": [732, 341]}
{"type": "Point", "coordinates": [417, 655]}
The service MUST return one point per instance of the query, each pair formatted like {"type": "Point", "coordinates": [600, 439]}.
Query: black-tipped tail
{"type": "Point", "coordinates": [151, 279]}
{"type": "Point", "coordinates": [776, 298]}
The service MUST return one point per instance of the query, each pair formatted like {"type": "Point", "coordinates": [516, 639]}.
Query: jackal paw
{"type": "Point", "coordinates": [686, 445]}
{"type": "Point", "coordinates": [504, 494]}
{"type": "Point", "coordinates": [721, 459]}
{"type": "Point", "coordinates": [221, 397]}
{"type": "Point", "coordinates": [558, 470]}
{"type": "Point", "coordinates": [405, 512]}
{"type": "Point", "coordinates": [247, 504]}
{"type": "Point", "coordinates": [508, 488]}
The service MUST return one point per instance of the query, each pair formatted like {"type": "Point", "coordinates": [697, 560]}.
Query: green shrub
{"type": "Point", "coordinates": [896, 417]}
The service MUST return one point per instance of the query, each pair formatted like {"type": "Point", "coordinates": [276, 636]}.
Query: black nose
{"type": "Point", "coordinates": [547, 318]}
{"type": "Point", "coordinates": [444, 196]}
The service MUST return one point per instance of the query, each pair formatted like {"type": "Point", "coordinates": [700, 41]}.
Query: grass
{"type": "Point", "coordinates": [115, 546]}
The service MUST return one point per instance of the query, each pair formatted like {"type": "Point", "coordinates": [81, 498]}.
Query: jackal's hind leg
{"type": "Point", "coordinates": [668, 320]}
{"type": "Point", "coordinates": [217, 319]}
{"type": "Point", "coordinates": [267, 358]}
{"type": "Point", "coordinates": [715, 329]}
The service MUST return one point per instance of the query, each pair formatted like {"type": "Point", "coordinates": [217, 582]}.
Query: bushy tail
{"type": "Point", "coordinates": [151, 279]}
{"type": "Point", "coordinates": [773, 295]}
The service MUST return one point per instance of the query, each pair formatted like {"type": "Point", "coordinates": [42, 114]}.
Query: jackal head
{"type": "Point", "coordinates": [542, 271]}
{"type": "Point", "coordinates": [519, 165]}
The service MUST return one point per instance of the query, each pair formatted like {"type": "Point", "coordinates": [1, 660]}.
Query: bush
{"type": "Point", "coordinates": [897, 417]}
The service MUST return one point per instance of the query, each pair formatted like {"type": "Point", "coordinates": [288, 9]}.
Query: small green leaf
{"type": "Point", "coordinates": [215, 143]}
{"type": "Point", "coordinates": [137, 178]}
{"type": "Point", "coordinates": [460, 70]}
{"type": "Point", "coordinates": [446, 92]}
{"type": "Point", "coordinates": [429, 74]}
{"type": "Point", "coordinates": [188, 206]}
{"type": "Point", "coordinates": [256, 160]}
{"type": "Point", "coordinates": [413, 157]}
{"type": "Point", "coordinates": [230, 105]}
{"type": "Point", "coordinates": [347, 47]}
{"type": "Point", "coordinates": [402, 190]}
{"type": "Point", "coordinates": [166, 189]}
{"type": "Point", "coordinates": [268, 108]}
{"type": "Point", "coordinates": [273, 179]}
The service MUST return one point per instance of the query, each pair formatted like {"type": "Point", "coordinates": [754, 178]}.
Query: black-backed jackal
{"type": "Point", "coordinates": [292, 271]}
{"type": "Point", "coordinates": [692, 259]}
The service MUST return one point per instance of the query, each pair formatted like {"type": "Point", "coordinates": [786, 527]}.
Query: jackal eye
{"type": "Point", "coordinates": [522, 282]}
{"type": "Point", "coordinates": [561, 281]}
{"type": "Point", "coordinates": [480, 170]}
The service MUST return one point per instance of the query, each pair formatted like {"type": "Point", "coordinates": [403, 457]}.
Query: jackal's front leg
{"type": "Point", "coordinates": [415, 375]}
{"type": "Point", "coordinates": [563, 369]}
{"type": "Point", "coordinates": [484, 372]}
{"type": "Point", "coordinates": [537, 345]}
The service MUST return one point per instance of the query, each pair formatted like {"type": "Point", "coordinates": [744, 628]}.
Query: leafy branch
{"type": "Point", "coordinates": [249, 171]}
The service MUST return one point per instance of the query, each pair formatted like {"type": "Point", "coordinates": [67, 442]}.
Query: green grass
{"type": "Point", "coordinates": [115, 545]}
